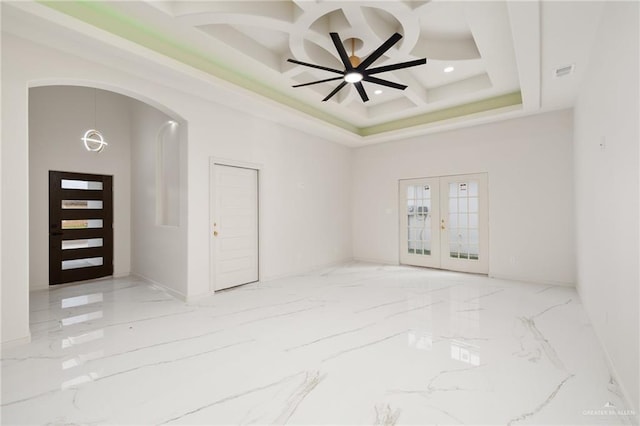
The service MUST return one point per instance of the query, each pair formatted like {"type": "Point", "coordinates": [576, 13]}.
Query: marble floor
{"type": "Point", "coordinates": [355, 344]}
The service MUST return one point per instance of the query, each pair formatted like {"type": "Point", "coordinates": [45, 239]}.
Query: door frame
{"type": "Point", "coordinates": [488, 224]}
{"type": "Point", "coordinates": [218, 161]}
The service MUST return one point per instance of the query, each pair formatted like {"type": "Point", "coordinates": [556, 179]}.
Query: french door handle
{"type": "Point", "coordinates": [442, 225]}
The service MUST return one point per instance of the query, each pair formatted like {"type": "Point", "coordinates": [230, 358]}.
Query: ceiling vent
{"type": "Point", "coordinates": [563, 71]}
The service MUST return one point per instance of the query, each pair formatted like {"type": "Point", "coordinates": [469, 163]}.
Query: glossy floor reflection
{"type": "Point", "coordinates": [357, 344]}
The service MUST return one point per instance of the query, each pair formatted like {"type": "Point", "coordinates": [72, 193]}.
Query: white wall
{"type": "Point", "coordinates": [304, 192]}
{"type": "Point", "coordinates": [14, 269]}
{"type": "Point", "coordinates": [529, 165]}
{"type": "Point", "coordinates": [58, 117]}
{"type": "Point", "coordinates": [159, 253]}
{"type": "Point", "coordinates": [305, 219]}
{"type": "Point", "coordinates": [607, 179]}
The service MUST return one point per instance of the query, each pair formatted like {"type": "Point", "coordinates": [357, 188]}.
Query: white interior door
{"type": "Point", "coordinates": [444, 223]}
{"type": "Point", "coordinates": [235, 226]}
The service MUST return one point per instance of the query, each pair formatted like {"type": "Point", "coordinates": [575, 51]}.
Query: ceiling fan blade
{"type": "Point", "coordinates": [319, 81]}
{"type": "Point", "coordinates": [336, 90]}
{"type": "Point", "coordinates": [382, 82]}
{"type": "Point", "coordinates": [379, 51]}
{"type": "Point", "coordinates": [360, 89]}
{"type": "Point", "coordinates": [341, 51]}
{"type": "Point", "coordinates": [399, 66]}
{"type": "Point", "coordinates": [306, 64]}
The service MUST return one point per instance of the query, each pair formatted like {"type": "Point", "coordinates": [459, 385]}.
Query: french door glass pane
{"type": "Point", "coordinates": [419, 219]}
{"type": "Point", "coordinates": [473, 189]}
{"type": "Point", "coordinates": [411, 192]}
{"type": "Point", "coordinates": [473, 220]}
{"type": "Point", "coordinates": [473, 205]}
{"type": "Point", "coordinates": [453, 205]}
{"type": "Point", "coordinates": [463, 205]}
{"type": "Point", "coordinates": [463, 220]}
{"type": "Point", "coordinates": [473, 252]}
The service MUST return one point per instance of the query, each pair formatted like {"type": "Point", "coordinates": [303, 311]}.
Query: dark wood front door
{"type": "Point", "coordinates": [80, 226]}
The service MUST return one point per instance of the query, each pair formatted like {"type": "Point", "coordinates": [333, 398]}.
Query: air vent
{"type": "Point", "coordinates": [563, 71]}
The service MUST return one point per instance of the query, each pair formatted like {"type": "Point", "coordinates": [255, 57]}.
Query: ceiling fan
{"type": "Point", "coordinates": [356, 71]}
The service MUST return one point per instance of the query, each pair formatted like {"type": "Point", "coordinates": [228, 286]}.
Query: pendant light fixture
{"type": "Point", "coordinates": [93, 139]}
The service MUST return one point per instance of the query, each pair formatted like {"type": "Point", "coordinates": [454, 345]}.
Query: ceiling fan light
{"type": "Point", "coordinates": [353, 77]}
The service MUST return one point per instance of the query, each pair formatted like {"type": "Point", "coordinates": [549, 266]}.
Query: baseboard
{"type": "Point", "coordinates": [490, 275]}
{"type": "Point", "coordinates": [173, 292]}
{"type": "Point", "coordinates": [17, 342]}
{"type": "Point", "coordinates": [305, 270]}
{"type": "Point", "coordinates": [612, 369]}
{"type": "Point", "coordinates": [121, 274]}
{"type": "Point", "coordinates": [531, 280]}
{"type": "Point", "coordinates": [376, 261]}
{"type": "Point", "coordinates": [195, 298]}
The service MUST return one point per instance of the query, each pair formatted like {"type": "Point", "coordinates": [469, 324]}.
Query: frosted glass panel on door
{"type": "Point", "coordinates": [81, 204]}
{"type": "Point", "coordinates": [82, 263]}
{"type": "Point", "coordinates": [463, 220]}
{"type": "Point", "coordinates": [81, 223]}
{"type": "Point", "coordinates": [80, 184]}
{"type": "Point", "coordinates": [78, 244]}
{"type": "Point", "coordinates": [419, 219]}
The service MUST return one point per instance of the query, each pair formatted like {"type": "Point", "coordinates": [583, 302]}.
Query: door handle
{"type": "Point", "coordinates": [215, 233]}
{"type": "Point", "coordinates": [442, 226]}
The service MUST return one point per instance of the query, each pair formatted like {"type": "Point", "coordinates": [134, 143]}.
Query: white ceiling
{"type": "Point", "coordinates": [496, 48]}
{"type": "Point", "coordinates": [466, 35]}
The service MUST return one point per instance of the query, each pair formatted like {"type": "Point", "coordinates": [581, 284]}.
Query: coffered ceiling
{"type": "Point", "coordinates": [484, 58]}
{"type": "Point", "coordinates": [470, 38]}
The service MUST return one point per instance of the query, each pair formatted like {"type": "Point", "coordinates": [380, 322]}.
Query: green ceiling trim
{"type": "Point", "coordinates": [101, 15]}
{"type": "Point", "coordinates": [105, 17]}
{"type": "Point", "coordinates": [502, 101]}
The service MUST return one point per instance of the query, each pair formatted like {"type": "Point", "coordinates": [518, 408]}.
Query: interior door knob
{"type": "Point", "coordinates": [215, 233]}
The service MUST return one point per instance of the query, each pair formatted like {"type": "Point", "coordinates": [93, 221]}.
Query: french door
{"type": "Point", "coordinates": [80, 226]}
{"type": "Point", "coordinates": [235, 226]}
{"type": "Point", "coordinates": [444, 223]}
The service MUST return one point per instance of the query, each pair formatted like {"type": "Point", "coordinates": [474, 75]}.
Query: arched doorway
{"type": "Point", "coordinates": [145, 155]}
